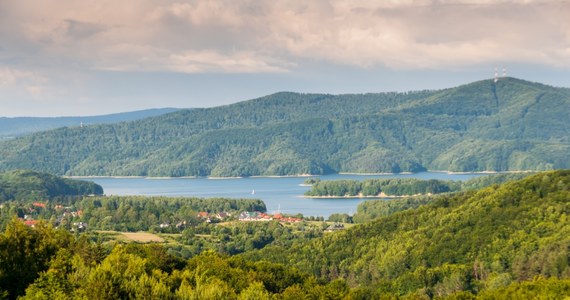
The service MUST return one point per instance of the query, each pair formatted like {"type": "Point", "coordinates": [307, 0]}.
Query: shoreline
{"type": "Point", "coordinates": [376, 174]}
{"type": "Point", "coordinates": [379, 196]}
{"type": "Point", "coordinates": [282, 176]}
{"type": "Point", "coordinates": [351, 197]}
{"type": "Point", "coordinates": [293, 176]}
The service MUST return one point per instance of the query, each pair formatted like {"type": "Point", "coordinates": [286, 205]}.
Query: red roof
{"type": "Point", "coordinates": [31, 222]}
{"type": "Point", "coordinates": [39, 204]}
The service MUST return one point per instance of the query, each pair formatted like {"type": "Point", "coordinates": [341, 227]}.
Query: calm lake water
{"type": "Point", "coordinates": [282, 193]}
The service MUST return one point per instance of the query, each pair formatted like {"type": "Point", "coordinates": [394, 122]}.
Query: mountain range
{"type": "Point", "coordinates": [17, 126]}
{"type": "Point", "coordinates": [509, 125]}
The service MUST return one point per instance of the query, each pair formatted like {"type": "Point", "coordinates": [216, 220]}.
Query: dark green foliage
{"type": "Point", "coordinates": [468, 241]}
{"type": "Point", "coordinates": [30, 185]}
{"type": "Point", "coordinates": [510, 125]}
{"type": "Point", "coordinates": [381, 187]}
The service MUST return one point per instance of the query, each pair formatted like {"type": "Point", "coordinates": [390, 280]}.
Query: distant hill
{"type": "Point", "coordinates": [30, 185]}
{"type": "Point", "coordinates": [13, 127]}
{"type": "Point", "coordinates": [475, 241]}
{"type": "Point", "coordinates": [483, 126]}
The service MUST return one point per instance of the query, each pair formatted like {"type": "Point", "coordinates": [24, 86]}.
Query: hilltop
{"type": "Point", "coordinates": [482, 126]}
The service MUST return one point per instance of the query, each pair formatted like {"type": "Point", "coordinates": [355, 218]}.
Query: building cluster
{"type": "Point", "coordinates": [64, 214]}
{"type": "Point", "coordinates": [256, 216]}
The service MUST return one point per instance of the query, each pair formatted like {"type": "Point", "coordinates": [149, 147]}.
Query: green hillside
{"type": "Point", "coordinates": [483, 126]}
{"type": "Point", "coordinates": [30, 185]}
{"type": "Point", "coordinates": [474, 241]}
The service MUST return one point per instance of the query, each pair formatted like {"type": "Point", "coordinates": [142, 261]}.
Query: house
{"type": "Point", "coordinates": [39, 204]}
{"type": "Point", "coordinates": [81, 226]}
{"type": "Point", "coordinates": [181, 225]}
{"type": "Point", "coordinates": [222, 215]}
{"type": "Point", "coordinates": [335, 227]}
{"type": "Point", "coordinates": [31, 223]}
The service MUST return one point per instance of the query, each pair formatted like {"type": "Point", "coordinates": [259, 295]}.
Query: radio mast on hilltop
{"type": "Point", "coordinates": [504, 72]}
{"type": "Point", "coordinates": [496, 75]}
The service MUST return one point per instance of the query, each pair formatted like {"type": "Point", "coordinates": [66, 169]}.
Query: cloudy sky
{"type": "Point", "coordinates": [88, 57]}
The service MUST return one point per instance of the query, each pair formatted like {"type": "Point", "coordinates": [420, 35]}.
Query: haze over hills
{"type": "Point", "coordinates": [483, 126]}
{"type": "Point", "coordinates": [13, 127]}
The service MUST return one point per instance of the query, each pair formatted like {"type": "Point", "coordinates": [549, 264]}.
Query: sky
{"type": "Point", "coordinates": [91, 57]}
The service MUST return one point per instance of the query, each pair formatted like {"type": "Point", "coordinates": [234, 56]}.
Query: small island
{"type": "Point", "coordinates": [401, 187]}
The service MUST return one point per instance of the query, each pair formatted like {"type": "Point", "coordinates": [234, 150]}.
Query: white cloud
{"type": "Point", "coordinates": [11, 77]}
{"type": "Point", "coordinates": [271, 36]}
{"type": "Point", "coordinates": [240, 62]}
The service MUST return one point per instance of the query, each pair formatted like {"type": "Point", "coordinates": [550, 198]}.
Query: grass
{"type": "Point", "coordinates": [140, 237]}
{"type": "Point", "coordinates": [143, 237]}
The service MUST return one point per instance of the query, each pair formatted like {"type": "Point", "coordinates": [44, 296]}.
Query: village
{"type": "Point", "coordinates": [71, 218]}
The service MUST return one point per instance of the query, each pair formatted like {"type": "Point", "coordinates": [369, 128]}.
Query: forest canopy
{"type": "Point", "coordinates": [30, 185]}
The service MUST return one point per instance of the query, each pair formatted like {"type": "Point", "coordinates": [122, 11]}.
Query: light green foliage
{"type": "Point", "coordinates": [510, 125]}
{"type": "Point", "coordinates": [25, 252]}
{"type": "Point", "coordinates": [458, 242]}
{"type": "Point", "coordinates": [148, 272]}
{"type": "Point", "coordinates": [370, 210]}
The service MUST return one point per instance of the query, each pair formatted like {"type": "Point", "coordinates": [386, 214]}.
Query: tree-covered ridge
{"type": "Point", "coordinates": [402, 186]}
{"type": "Point", "coordinates": [30, 185]}
{"type": "Point", "coordinates": [508, 125]}
{"type": "Point", "coordinates": [472, 241]}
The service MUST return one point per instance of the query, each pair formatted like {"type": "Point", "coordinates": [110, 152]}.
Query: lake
{"type": "Point", "coordinates": [278, 193]}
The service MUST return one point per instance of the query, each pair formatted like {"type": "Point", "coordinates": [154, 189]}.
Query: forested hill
{"type": "Point", "coordinates": [473, 242]}
{"type": "Point", "coordinates": [12, 127]}
{"type": "Point", "coordinates": [29, 185]}
{"type": "Point", "coordinates": [508, 125]}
